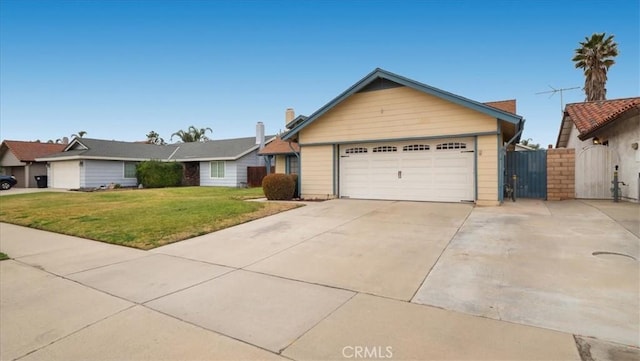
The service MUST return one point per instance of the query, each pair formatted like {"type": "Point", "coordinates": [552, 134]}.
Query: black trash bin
{"type": "Point", "coordinates": [41, 180]}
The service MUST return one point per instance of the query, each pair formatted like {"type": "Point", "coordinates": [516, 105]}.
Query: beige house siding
{"type": "Point", "coordinates": [10, 160]}
{"type": "Point", "coordinates": [280, 164]}
{"type": "Point", "coordinates": [317, 172]}
{"type": "Point", "coordinates": [394, 114]}
{"type": "Point", "coordinates": [487, 170]}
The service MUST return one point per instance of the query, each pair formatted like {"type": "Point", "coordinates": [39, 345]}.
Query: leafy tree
{"type": "Point", "coordinates": [595, 56]}
{"type": "Point", "coordinates": [154, 138]}
{"type": "Point", "coordinates": [192, 134]}
{"type": "Point", "coordinates": [529, 143]}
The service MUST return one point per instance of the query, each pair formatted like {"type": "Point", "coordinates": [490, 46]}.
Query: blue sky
{"type": "Point", "coordinates": [118, 69]}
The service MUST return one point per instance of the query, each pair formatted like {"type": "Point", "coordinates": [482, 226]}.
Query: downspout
{"type": "Point", "coordinates": [299, 168]}
{"type": "Point", "coordinates": [27, 174]}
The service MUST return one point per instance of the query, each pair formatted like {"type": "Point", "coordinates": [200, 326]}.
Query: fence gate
{"type": "Point", "coordinates": [255, 175]}
{"type": "Point", "coordinates": [594, 172]}
{"type": "Point", "coordinates": [530, 168]}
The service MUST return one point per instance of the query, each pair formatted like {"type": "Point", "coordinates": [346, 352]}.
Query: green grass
{"type": "Point", "coordinates": [144, 218]}
{"type": "Point", "coordinates": [3, 256]}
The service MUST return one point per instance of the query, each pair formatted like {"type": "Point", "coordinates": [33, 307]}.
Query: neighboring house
{"type": "Point", "coordinates": [19, 159]}
{"type": "Point", "coordinates": [604, 134]}
{"type": "Point", "coordinates": [390, 137]}
{"type": "Point", "coordinates": [222, 162]}
{"type": "Point", "coordinates": [89, 163]}
{"type": "Point", "coordinates": [285, 155]}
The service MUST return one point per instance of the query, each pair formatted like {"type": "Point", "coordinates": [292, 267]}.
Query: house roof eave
{"type": "Point", "coordinates": [381, 73]}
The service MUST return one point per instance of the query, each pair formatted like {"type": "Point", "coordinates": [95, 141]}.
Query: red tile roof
{"type": "Point", "coordinates": [29, 151]}
{"type": "Point", "coordinates": [279, 146]}
{"type": "Point", "coordinates": [589, 116]}
{"type": "Point", "coordinates": [505, 105]}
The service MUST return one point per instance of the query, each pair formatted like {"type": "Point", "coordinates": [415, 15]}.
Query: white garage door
{"type": "Point", "coordinates": [65, 174]}
{"type": "Point", "coordinates": [430, 170]}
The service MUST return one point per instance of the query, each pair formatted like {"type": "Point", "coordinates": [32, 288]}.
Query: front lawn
{"type": "Point", "coordinates": [144, 218]}
{"type": "Point", "coordinates": [3, 256]}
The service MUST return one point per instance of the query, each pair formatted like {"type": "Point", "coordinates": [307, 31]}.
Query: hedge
{"type": "Point", "coordinates": [278, 187]}
{"type": "Point", "coordinates": [156, 174]}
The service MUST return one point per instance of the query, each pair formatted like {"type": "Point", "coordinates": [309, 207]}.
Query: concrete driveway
{"type": "Point", "coordinates": [342, 279]}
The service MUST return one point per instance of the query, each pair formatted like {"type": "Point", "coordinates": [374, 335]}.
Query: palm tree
{"type": "Point", "coordinates": [595, 56]}
{"type": "Point", "coordinates": [80, 134]}
{"type": "Point", "coordinates": [192, 134]}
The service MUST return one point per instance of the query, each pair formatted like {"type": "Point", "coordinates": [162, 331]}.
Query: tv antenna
{"type": "Point", "coordinates": [554, 90]}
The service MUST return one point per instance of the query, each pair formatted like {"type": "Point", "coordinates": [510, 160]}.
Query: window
{"type": "Point", "coordinates": [130, 169]}
{"type": "Point", "coordinates": [355, 150]}
{"type": "Point", "coordinates": [415, 147]}
{"type": "Point", "coordinates": [452, 145]}
{"type": "Point", "coordinates": [385, 149]}
{"type": "Point", "coordinates": [217, 169]}
{"type": "Point", "coordinates": [292, 164]}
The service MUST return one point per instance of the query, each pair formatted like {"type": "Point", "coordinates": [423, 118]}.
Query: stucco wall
{"type": "Point", "coordinates": [8, 159]}
{"type": "Point", "coordinates": [620, 136]}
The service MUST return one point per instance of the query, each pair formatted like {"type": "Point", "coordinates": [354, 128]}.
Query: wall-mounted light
{"type": "Point", "coordinates": [634, 146]}
{"type": "Point", "coordinates": [596, 140]}
{"type": "Point", "coordinates": [82, 163]}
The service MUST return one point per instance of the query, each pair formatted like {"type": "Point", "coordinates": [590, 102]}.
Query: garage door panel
{"type": "Point", "coordinates": [409, 171]}
{"type": "Point", "coordinates": [65, 174]}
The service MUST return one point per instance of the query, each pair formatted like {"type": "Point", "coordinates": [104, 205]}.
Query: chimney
{"type": "Point", "coordinates": [289, 115]}
{"type": "Point", "coordinates": [260, 134]}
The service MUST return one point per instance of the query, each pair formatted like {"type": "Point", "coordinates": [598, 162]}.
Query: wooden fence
{"type": "Point", "coordinates": [256, 174]}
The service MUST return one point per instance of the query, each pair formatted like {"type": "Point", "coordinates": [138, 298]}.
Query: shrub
{"type": "Point", "coordinates": [156, 174]}
{"type": "Point", "coordinates": [296, 192]}
{"type": "Point", "coordinates": [278, 186]}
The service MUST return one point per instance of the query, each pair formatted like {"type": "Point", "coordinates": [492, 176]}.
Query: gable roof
{"type": "Point", "coordinates": [588, 117]}
{"type": "Point", "coordinates": [279, 146]}
{"type": "Point", "coordinates": [224, 149]}
{"type": "Point", "coordinates": [380, 75]}
{"type": "Point", "coordinates": [299, 119]}
{"type": "Point", "coordinates": [87, 148]}
{"type": "Point", "coordinates": [29, 151]}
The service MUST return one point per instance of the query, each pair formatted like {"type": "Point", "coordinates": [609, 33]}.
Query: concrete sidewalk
{"type": "Point", "coordinates": [331, 280]}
